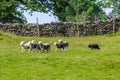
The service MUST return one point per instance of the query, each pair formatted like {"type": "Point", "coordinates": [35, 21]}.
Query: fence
{"type": "Point", "coordinates": [63, 28]}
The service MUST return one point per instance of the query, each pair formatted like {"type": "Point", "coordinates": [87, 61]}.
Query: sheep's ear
{"type": "Point", "coordinates": [55, 43]}
{"type": "Point", "coordinates": [60, 40]}
{"type": "Point", "coordinates": [40, 42]}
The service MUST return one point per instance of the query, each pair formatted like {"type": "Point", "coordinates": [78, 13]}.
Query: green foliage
{"type": "Point", "coordinates": [78, 63]}
{"type": "Point", "coordinates": [82, 8]}
{"type": "Point", "coordinates": [59, 9]}
{"type": "Point", "coordinates": [65, 10]}
{"type": "Point", "coordinates": [113, 4]}
{"type": "Point", "coordinates": [12, 10]}
{"type": "Point", "coordinates": [9, 12]}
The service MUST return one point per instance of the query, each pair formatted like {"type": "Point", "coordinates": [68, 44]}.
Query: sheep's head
{"type": "Point", "coordinates": [55, 43]}
{"type": "Point", "coordinates": [22, 42]}
{"type": "Point", "coordinates": [33, 41]}
{"type": "Point", "coordinates": [39, 42]}
{"type": "Point", "coordinates": [60, 41]}
{"type": "Point", "coordinates": [29, 42]}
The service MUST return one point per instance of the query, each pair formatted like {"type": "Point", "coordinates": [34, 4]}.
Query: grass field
{"type": "Point", "coordinates": [78, 63]}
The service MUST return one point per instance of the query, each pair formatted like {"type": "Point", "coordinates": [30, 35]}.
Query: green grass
{"type": "Point", "coordinates": [78, 63]}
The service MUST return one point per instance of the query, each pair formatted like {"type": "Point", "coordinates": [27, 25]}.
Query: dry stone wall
{"type": "Point", "coordinates": [63, 28]}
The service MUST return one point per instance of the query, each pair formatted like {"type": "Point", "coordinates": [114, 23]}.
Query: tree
{"type": "Point", "coordinates": [113, 4]}
{"type": "Point", "coordinates": [81, 8]}
{"type": "Point", "coordinates": [9, 12]}
{"type": "Point", "coordinates": [12, 10]}
{"type": "Point", "coordinates": [65, 10]}
{"type": "Point", "coordinates": [59, 8]}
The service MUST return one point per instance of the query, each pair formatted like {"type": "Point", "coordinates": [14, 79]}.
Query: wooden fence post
{"type": "Point", "coordinates": [95, 18]}
{"type": "Point", "coordinates": [84, 20]}
{"type": "Point", "coordinates": [77, 27]}
{"type": "Point", "coordinates": [113, 24]}
{"type": "Point", "coordinates": [38, 27]}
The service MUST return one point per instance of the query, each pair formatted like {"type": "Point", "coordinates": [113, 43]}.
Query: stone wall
{"type": "Point", "coordinates": [63, 29]}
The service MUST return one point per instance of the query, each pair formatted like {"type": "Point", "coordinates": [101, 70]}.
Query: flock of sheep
{"type": "Point", "coordinates": [63, 45]}
{"type": "Point", "coordinates": [31, 45]}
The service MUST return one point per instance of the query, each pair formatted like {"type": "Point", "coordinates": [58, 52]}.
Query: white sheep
{"type": "Point", "coordinates": [30, 45]}
{"type": "Point", "coordinates": [25, 45]}
{"type": "Point", "coordinates": [44, 46]}
{"type": "Point", "coordinates": [63, 45]}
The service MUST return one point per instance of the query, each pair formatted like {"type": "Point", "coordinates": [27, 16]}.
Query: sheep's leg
{"type": "Point", "coordinates": [48, 49]}
{"type": "Point", "coordinates": [66, 49]}
{"type": "Point", "coordinates": [30, 50]}
{"type": "Point", "coordinates": [23, 49]}
{"type": "Point", "coordinates": [42, 50]}
{"type": "Point", "coordinates": [62, 49]}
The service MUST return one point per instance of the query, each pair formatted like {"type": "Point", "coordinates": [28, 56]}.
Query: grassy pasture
{"type": "Point", "coordinates": [78, 63]}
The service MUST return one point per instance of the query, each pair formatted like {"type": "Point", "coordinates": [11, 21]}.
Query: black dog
{"type": "Point", "coordinates": [94, 46]}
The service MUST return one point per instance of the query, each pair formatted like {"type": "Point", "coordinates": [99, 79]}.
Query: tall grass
{"type": "Point", "coordinates": [78, 63]}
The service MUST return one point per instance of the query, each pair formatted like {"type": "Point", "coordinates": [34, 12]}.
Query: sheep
{"type": "Point", "coordinates": [61, 45]}
{"type": "Point", "coordinates": [65, 43]}
{"type": "Point", "coordinates": [44, 46]}
{"type": "Point", "coordinates": [25, 45]}
{"type": "Point", "coordinates": [93, 46]}
{"type": "Point", "coordinates": [30, 45]}
{"type": "Point", "coordinates": [34, 45]}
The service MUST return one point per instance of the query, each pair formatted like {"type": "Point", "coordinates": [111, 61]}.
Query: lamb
{"type": "Point", "coordinates": [59, 46]}
{"type": "Point", "coordinates": [25, 45]}
{"type": "Point", "coordinates": [63, 45]}
{"type": "Point", "coordinates": [44, 46]}
{"type": "Point", "coordinates": [30, 45]}
{"type": "Point", "coordinates": [34, 45]}
{"type": "Point", "coordinates": [94, 46]}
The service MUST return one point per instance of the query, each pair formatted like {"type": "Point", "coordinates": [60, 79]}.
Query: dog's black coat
{"type": "Point", "coordinates": [94, 46]}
